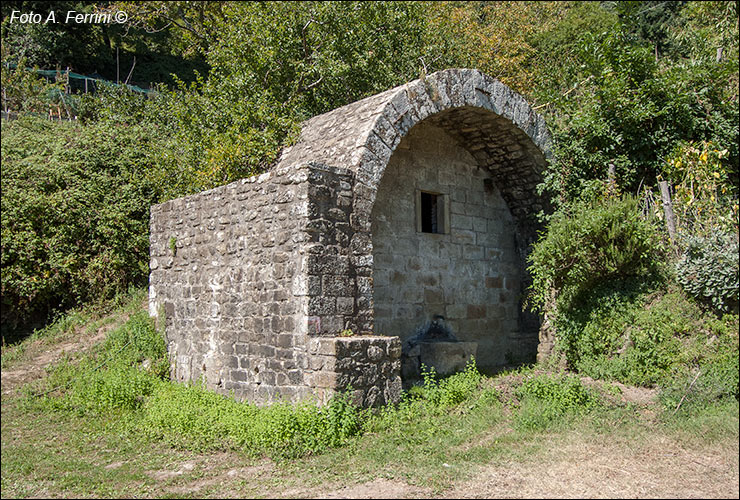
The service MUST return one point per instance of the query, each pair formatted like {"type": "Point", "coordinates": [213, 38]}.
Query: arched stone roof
{"type": "Point", "coordinates": [494, 123]}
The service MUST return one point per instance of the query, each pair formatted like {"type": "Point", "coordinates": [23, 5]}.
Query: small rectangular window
{"type": "Point", "coordinates": [431, 212]}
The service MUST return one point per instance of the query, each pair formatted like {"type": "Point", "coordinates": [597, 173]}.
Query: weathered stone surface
{"type": "Point", "coordinates": [369, 365]}
{"type": "Point", "coordinates": [447, 357]}
{"type": "Point", "coordinates": [459, 274]}
{"type": "Point", "coordinates": [256, 279]}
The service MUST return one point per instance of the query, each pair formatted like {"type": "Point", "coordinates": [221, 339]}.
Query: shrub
{"type": "Point", "coordinates": [640, 333]}
{"type": "Point", "coordinates": [626, 333]}
{"type": "Point", "coordinates": [705, 188]}
{"type": "Point", "coordinates": [75, 215]}
{"type": "Point", "coordinates": [708, 270]}
{"type": "Point", "coordinates": [588, 243]}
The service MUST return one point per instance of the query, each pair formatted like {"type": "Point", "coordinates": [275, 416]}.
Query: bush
{"type": "Point", "coordinates": [624, 106]}
{"type": "Point", "coordinates": [75, 215]}
{"type": "Point", "coordinates": [588, 243]}
{"type": "Point", "coordinates": [640, 334]}
{"type": "Point", "coordinates": [708, 270]}
{"type": "Point", "coordinates": [626, 333]}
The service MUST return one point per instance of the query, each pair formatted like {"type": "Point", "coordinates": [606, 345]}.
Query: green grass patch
{"type": "Point", "coordinates": [127, 374]}
{"type": "Point", "coordinates": [547, 399]}
{"type": "Point", "coordinates": [86, 319]}
{"type": "Point", "coordinates": [192, 417]}
{"type": "Point", "coordinates": [112, 424]}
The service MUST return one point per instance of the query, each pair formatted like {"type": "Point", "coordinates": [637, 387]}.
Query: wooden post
{"type": "Point", "coordinates": [670, 218]}
{"type": "Point", "coordinates": [130, 72]}
{"type": "Point", "coordinates": [612, 180]}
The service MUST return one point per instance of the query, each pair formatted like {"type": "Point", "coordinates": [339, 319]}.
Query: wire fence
{"type": "Point", "coordinates": [59, 105]}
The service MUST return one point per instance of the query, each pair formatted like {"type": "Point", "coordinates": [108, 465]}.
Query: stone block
{"type": "Point", "coordinates": [476, 311]}
{"type": "Point", "coordinates": [375, 353]}
{"type": "Point", "coordinates": [434, 296]}
{"type": "Point", "coordinates": [447, 357]}
{"type": "Point", "coordinates": [345, 305]}
{"type": "Point", "coordinates": [325, 379]}
{"type": "Point", "coordinates": [494, 282]}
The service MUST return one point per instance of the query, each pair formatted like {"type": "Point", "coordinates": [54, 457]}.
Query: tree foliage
{"type": "Point", "coordinates": [631, 84]}
{"type": "Point", "coordinates": [114, 52]}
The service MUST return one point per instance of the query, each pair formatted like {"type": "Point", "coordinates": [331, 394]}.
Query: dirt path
{"type": "Point", "coordinates": [655, 469]}
{"type": "Point", "coordinates": [658, 468]}
{"type": "Point", "coordinates": [38, 356]}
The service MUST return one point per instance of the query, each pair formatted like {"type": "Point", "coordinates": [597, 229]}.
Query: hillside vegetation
{"type": "Point", "coordinates": [645, 321]}
{"type": "Point", "coordinates": [646, 90]}
{"type": "Point", "coordinates": [110, 424]}
{"type": "Point", "coordinates": [640, 86]}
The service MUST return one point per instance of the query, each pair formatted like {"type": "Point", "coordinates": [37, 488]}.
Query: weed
{"type": "Point", "coordinates": [192, 417]}
{"type": "Point", "coordinates": [547, 399]}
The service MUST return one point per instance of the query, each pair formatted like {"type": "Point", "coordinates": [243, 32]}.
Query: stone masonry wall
{"type": "Point", "coordinates": [247, 274]}
{"type": "Point", "coordinates": [495, 124]}
{"type": "Point", "coordinates": [332, 283]}
{"type": "Point", "coordinates": [369, 366]}
{"type": "Point", "coordinates": [225, 271]}
{"type": "Point", "coordinates": [472, 275]}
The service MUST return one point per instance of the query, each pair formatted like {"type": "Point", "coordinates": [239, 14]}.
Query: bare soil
{"type": "Point", "coordinates": [658, 468]}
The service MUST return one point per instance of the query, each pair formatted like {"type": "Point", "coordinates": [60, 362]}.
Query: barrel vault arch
{"type": "Point", "coordinates": [255, 281]}
{"type": "Point", "coordinates": [495, 124]}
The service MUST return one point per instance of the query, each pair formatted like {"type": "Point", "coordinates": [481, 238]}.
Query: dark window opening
{"type": "Point", "coordinates": [430, 205]}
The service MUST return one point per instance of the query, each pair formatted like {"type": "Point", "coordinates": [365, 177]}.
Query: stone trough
{"type": "Point", "coordinates": [435, 346]}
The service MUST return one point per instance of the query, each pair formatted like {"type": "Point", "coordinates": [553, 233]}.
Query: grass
{"type": "Point", "coordinates": [467, 435]}
{"type": "Point", "coordinates": [84, 320]}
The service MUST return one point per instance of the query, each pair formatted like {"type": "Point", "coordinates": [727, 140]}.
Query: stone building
{"type": "Point", "coordinates": [413, 204]}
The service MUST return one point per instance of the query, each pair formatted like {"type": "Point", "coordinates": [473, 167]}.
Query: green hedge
{"type": "Point", "coordinates": [75, 214]}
